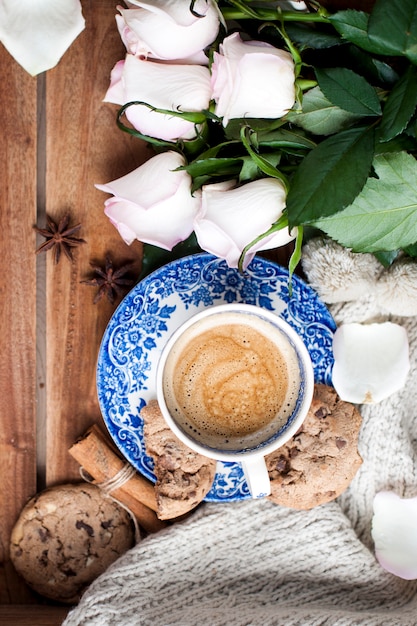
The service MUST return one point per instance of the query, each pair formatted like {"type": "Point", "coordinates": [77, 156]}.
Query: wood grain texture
{"type": "Point", "coordinates": [18, 133]}
{"type": "Point", "coordinates": [21, 615]}
{"type": "Point", "coordinates": [57, 140]}
{"type": "Point", "coordinates": [83, 147]}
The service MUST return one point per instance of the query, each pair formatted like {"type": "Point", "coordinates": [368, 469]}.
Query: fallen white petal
{"type": "Point", "coordinates": [371, 361]}
{"type": "Point", "coordinates": [38, 32]}
{"type": "Point", "coordinates": [394, 531]}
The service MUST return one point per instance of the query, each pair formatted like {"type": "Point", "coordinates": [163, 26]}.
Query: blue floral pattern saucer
{"type": "Point", "coordinates": [148, 315]}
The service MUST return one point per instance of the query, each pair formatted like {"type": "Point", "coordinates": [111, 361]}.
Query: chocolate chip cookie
{"type": "Point", "coordinates": [65, 537]}
{"type": "Point", "coordinates": [320, 461]}
{"type": "Point", "coordinates": [184, 477]}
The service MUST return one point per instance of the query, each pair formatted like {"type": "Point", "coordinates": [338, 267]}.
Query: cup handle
{"type": "Point", "coordinates": [257, 477]}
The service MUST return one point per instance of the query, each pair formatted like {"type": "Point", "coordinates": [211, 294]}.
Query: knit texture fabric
{"type": "Point", "coordinates": [254, 563]}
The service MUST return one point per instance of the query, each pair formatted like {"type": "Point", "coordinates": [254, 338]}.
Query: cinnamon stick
{"type": "Point", "coordinates": [95, 455]}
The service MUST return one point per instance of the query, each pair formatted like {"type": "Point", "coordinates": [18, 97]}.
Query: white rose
{"type": "Point", "coordinates": [252, 79]}
{"type": "Point", "coordinates": [168, 30]}
{"type": "Point", "coordinates": [153, 203]}
{"type": "Point", "coordinates": [230, 218]}
{"type": "Point", "coordinates": [164, 86]}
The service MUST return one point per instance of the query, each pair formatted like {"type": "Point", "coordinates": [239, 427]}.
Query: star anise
{"type": "Point", "coordinates": [59, 237]}
{"type": "Point", "coordinates": [111, 282]}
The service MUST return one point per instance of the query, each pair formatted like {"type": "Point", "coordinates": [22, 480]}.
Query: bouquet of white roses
{"type": "Point", "coordinates": [269, 120]}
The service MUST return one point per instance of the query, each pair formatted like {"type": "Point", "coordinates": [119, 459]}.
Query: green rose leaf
{"type": "Point", "coordinates": [304, 36]}
{"type": "Point", "coordinates": [348, 90]}
{"type": "Point", "coordinates": [411, 250]}
{"type": "Point", "coordinates": [285, 139]}
{"type": "Point", "coordinates": [330, 177]}
{"type": "Point", "coordinates": [400, 106]}
{"type": "Point", "coordinates": [384, 214]}
{"type": "Point", "coordinates": [353, 26]}
{"type": "Point", "coordinates": [320, 116]}
{"type": "Point", "coordinates": [393, 26]}
{"type": "Point", "coordinates": [375, 70]}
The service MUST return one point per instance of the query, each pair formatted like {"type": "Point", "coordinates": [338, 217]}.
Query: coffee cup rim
{"type": "Point", "coordinates": [293, 423]}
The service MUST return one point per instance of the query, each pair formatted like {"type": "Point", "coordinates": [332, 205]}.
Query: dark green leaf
{"type": "Point", "coordinates": [393, 27]}
{"type": "Point", "coordinates": [249, 171]}
{"type": "Point", "coordinates": [199, 181]}
{"type": "Point", "coordinates": [384, 215]}
{"type": "Point", "coordinates": [376, 71]}
{"type": "Point", "coordinates": [213, 151]}
{"type": "Point", "coordinates": [320, 116]}
{"type": "Point", "coordinates": [265, 165]}
{"type": "Point", "coordinates": [234, 127]}
{"type": "Point", "coordinates": [348, 90]}
{"type": "Point", "coordinates": [353, 26]}
{"type": "Point", "coordinates": [411, 250]}
{"type": "Point", "coordinates": [400, 105]}
{"type": "Point", "coordinates": [282, 138]}
{"type": "Point", "coordinates": [312, 36]}
{"type": "Point", "coordinates": [154, 257]}
{"type": "Point", "coordinates": [330, 176]}
{"type": "Point", "coordinates": [400, 143]}
{"type": "Point", "coordinates": [386, 258]}
{"type": "Point", "coordinates": [213, 167]}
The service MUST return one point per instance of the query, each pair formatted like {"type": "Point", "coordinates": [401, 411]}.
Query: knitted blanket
{"type": "Point", "coordinates": [256, 563]}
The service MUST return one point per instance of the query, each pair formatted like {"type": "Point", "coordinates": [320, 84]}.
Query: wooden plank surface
{"type": "Point", "coordinates": [83, 147]}
{"type": "Point", "coordinates": [58, 139]}
{"type": "Point", "coordinates": [18, 307]}
{"type": "Point", "coordinates": [24, 615]}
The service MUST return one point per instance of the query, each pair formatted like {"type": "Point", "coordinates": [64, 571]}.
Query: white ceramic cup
{"type": "Point", "coordinates": [245, 361]}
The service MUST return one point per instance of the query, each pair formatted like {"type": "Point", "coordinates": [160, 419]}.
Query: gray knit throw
{"type": "Point", "coordinates": [256, 563]}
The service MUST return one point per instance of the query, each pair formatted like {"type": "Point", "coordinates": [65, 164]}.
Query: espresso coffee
{"type": "Point", "coordinates": [231, 381]}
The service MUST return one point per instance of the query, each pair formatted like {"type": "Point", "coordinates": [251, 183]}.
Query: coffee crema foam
{"type": "Point", "coordinates": [231, 381]}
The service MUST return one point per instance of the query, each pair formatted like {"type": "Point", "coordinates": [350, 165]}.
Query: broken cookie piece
{"type": "Point", "coordinates": [183, 477]}
{"type": "Point", "coordinates": [320, 461]}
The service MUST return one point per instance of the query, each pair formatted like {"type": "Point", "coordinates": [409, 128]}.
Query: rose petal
{"type": "Point", "coordinates": [115, 92]}
{"type": "Point", "coordinates": [371, 361]}
{"type": "Point", "coordinates": [143, 181]}
{"type": "Point", "coordinates": [37, 33]}
{"type": "Point", "coordinates": [167, 29]}
{"type": "Point", "coordinates": [153, 203]}
{"type": "Point", "coordinates": [252, 79]}
{"type": "Point", "coordinates": [164, 86]}
{"type": "Point", "coordinates": [229, 219]}
{"type": "Point", "coordinates": [394, 531]}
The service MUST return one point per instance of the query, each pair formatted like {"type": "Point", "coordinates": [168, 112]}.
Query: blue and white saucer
{"type": "Point", "coordinates": [156, 306]}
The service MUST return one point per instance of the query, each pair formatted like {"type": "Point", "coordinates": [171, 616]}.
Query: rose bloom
{"type": "Point", "coordinates": [230, 218]}
{"type": "Point", "coordinates": [168, 30]}
{"type": "Point", "coordinates": [164, 86]}
{"type": "Point", "coordinates": [252, 79]}
{"type": "Point", "coordinates": [153, 203]}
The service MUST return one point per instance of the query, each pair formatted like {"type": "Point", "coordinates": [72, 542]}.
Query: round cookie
{"type": "Point", "coordinates": [65, 537]}
{"type": "Point", "coordinates": [320, 461]}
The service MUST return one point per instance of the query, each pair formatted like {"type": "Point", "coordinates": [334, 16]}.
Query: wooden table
{"type": "Point", "coordinates": [57, 140]}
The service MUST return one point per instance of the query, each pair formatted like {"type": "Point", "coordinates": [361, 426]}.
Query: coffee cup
{"type": "Point", "coordinates": [234, 383]}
